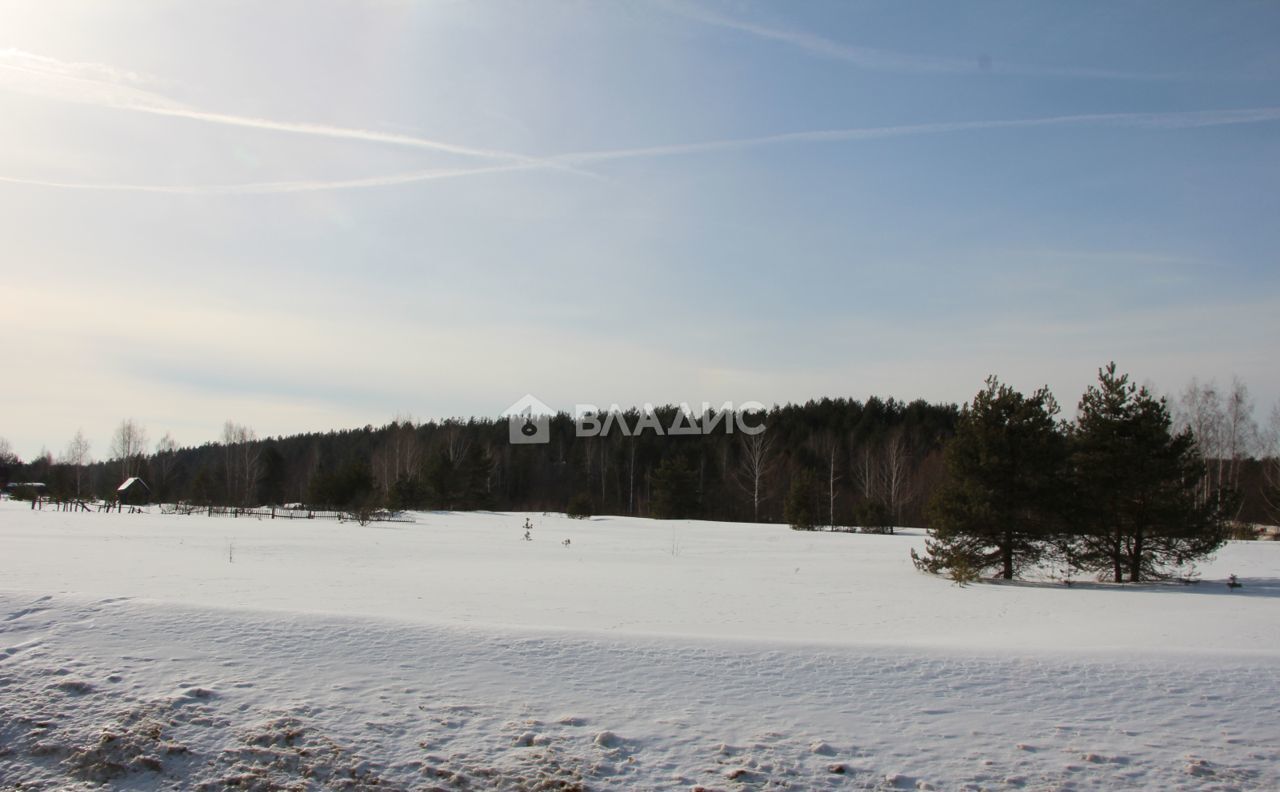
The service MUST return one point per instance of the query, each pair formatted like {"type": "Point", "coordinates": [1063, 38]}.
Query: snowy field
{"type": "Point", "coordinates": [183, 652]}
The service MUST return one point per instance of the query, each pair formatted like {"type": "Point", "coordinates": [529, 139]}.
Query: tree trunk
{"type": "Point", "coordinates": [1006, 554]}
{"type": "Point", "coordinates": [1116, 565]}
{"type": "Point", "coordinates": [1135, 561]}
{"type": "Point", "coordinates": [831, 489]}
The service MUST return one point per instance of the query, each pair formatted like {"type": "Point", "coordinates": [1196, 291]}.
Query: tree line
{"type": "Point", "coordinates": [825, 464]}
{"type": "Point", "coordinates": [878, 455]}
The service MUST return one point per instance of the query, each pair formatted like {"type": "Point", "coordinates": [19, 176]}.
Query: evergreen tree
{"type": "Point", "coordinates": [1138, 514]}
{"type": "Point", "coordinates": [800, 510]}
{"type": "Point", "coordinates": [347, 487]}
{"type": "Point", "coordinates": [675, 489]}
{"type": "Point", "coordinates": [271, 482]}
{"type": "Point", "coordinates": [473, 478]}
{"type": "Point", "coordinates": [198, 491]}
{"type": "Point", "coordinates": [1000, 503]}
{"type": "Point", "coordinates": [407, 493]}
{"type": "Point", "coordinates": [442, 481]}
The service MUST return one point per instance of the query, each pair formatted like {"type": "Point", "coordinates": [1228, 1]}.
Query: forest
{"type": "Point", "coordinates": [837, 463]}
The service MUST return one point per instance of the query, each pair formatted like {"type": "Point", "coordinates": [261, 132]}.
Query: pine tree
{"type": "Point", "coordinates": [675, 489]}
{"type": "Point", "coordinates": [408, 493]}
{"type": "Point", "coordinates": [442, 481]}
{"type": "Point", "coordinates": [1138, 514]}
{"type": "Point", "coordinates": [473, 478]}
{"type": "Point", "coordinates": [799, 509]}
{"type": "Point", "coordinates": [346, 487]}
{"type": "Point", "coordinates": [1001, 501]}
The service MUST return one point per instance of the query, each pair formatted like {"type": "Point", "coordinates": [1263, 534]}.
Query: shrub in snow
{"type": "Point", "coordinates": [580, 506]}
{"type": "Point", "coordinates": [363, 513]}
{"type": "Point", "coordinates": [873, 517]}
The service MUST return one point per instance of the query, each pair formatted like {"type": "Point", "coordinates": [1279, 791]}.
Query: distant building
{"type": "Point", "coordinates": [26, 490]}
{"type": "Point", "coordinates": [133, 492]}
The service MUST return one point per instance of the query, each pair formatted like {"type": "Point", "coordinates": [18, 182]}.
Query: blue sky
{"type": "Point", "coordinates": [305, 216]}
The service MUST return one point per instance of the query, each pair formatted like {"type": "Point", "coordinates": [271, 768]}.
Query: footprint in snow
{"type": "Point", "coordinates": [75, 687]}
{"type": "Point", "coordinates": [199, 693]}
{"type": "Point", "coordinates": [18, 614]}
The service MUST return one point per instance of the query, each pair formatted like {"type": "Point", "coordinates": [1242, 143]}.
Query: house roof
{"type": "Point", "coordinates": [129, 482]}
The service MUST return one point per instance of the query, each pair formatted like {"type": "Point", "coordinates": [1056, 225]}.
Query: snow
{"type": "Point", "coordinates": [153, 651]}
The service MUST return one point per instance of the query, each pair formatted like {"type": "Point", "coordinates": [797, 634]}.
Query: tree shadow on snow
{"type": "Point", "coordinates": [1249, 586]}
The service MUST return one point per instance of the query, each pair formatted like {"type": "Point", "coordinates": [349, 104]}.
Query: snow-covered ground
{"type": "Point", "coordinates": [170, 652]}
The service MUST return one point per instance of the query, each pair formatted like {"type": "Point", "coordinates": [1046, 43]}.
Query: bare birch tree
{"type": "Point", "coordinates": [754, 467]}
{"type": "Point", "coordinates": [7, 455]}
{"type": "Point", "coordinates": [165, 459]}
{"type": "Point", "coordinates": [1271, 465]}
{"type": "Point", "coordinates": [866, 472]}
{"type": "Point", "coordinates": [827, 447]}
{"type": "Point", "coordinates": [606, 446]}
{"type": "Point", "coordinates": [631, 475]}
{"type": "Point", "coordinates": [895, 472]}
{"type": "Point", "coordinates": [77, 456]}
{"type": "Point", "coordinates": [1200, 410]}
{"type": "Point", "coordinates": [456, 443]}
{"type": "Point", "coordinates": [128, 444]}
{"type": "Point", "coordinates": [1225, 431]}
{"type": "Point", "coordinates": [832, 478]}
{"type": "Point", "coordinates": [242, 453]}
{"type": "Point", "coordinates": [400, 455]}
{"type": "Point", "coordinates": [1240, 431]}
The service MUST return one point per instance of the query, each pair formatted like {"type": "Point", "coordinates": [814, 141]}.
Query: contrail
{"type": "Point", "coordinates": [344, 133]}
{"type": "Point", "coordinates": [1168, 121]}
{"type": "Point", "coordinates": [1180, 120]}
{"type": "Point", "coordinates": [106, 86]}
{"type": "Point", "coordinates": [267, 188]}
{"type": "Point", "coordinates": [874, 59]}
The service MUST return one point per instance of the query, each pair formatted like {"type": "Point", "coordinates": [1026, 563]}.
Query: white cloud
{"type": "Point", "coordinates": [21, 60]}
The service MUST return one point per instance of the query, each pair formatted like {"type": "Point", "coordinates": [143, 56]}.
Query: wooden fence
{"type": "Point", "coordinates": [258, 512]}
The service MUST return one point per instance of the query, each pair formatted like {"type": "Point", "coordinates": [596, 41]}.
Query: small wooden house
{"type": "Point", "coordinates": [26, 490]}
{"type": "Point", "coordinates": [133, 492]}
